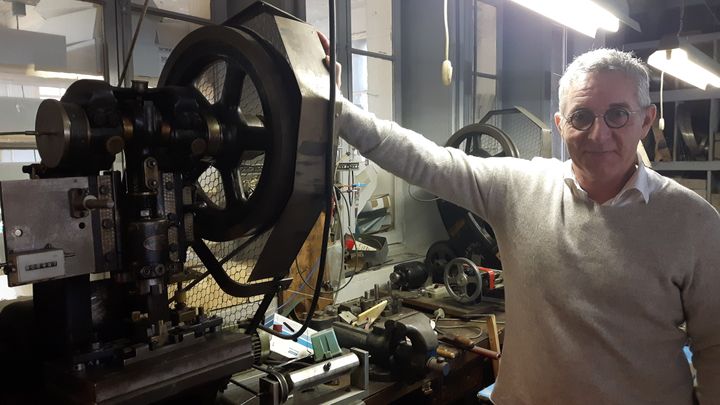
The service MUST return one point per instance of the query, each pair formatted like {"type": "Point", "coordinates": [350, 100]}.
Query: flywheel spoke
{"type": "Point", "coordinates": [232, 87]}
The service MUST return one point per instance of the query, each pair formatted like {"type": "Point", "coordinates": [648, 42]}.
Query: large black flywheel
{"type": "Point", "coordinates": [470, 236]}
{"type": "Point", "coordinates": [249, 88]}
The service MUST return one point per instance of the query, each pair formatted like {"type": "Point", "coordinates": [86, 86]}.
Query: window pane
{"type": "Point", "coordinates": [316, 13]}
{"type": "Point", "coordinates": [43, 51]}
{"type": "Point", "coordinates": [195, 8]}
{"type": "Point", "coordinates": [371, 23]}
{"type": "Point", "coordinates": [158, 36]}
{"type": "Point", "coordinates": [372, 85]}
{"type": "Point", "coordinates": [486, 38]}
{"type": "Point", "coordinates": [485, 100]}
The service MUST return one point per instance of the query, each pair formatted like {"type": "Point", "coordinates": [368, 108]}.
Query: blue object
{"type": "Point", "coordinates": [325, 344]}
{"type": "Point", "coordinates": [486, 392]}
{"type": "Point", "coordinates": [688, 353]}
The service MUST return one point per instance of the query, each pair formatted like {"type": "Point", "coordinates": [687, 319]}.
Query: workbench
{"type": "Point", "coordinates": [469, 372]}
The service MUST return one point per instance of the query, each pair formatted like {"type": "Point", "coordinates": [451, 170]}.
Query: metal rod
{"type": "Point", "coordinates": [132, 43]}
{"type": "Point", "coordinates": [322, 372]}
{"type": "Point", "coordinates": [6, 133]}
{"type": "Point", "coordinates": [243, 386]}
{"type": "Point", "coordinates": [171, 14]}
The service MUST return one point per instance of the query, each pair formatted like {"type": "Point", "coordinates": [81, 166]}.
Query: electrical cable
{"type": "Point", "coordinates": [682, 18]}
{"type": "Point", "coordinates": [332, 291]}
{"type": "Point", "coordinates": [661, 121]}
{"type": "Point", "coordinates": [328, 189]}
{"type": "Point", "coordinates": [712, 12]}
{"type": "Point", "coordinates": [346, 199]}
{"type": "Point", "coordinates": [132, 43]}
{"type": "Point", "coordinates": [446, 65]}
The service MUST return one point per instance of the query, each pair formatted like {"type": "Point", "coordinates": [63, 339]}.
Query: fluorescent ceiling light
{"type": "Point", "coordinates": [62, 75]}
{"type": "Point", "coordinates": [584, 16]}
{"type": "Point", "coordinates": [678, 58]}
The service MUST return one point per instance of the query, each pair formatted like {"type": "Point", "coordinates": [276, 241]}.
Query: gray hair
{"type": "Point", "coordinates": [603, 60]}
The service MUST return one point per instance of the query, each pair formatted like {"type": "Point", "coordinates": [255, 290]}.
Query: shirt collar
{"type": "Point", "coordinates": [638, 181]}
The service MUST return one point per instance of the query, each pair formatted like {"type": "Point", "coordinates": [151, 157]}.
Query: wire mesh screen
{"type": "Point", "coordinates": [208, 295]}
{"type": "Point", "coordinates": [211, 183]}
{"type": "Point", "coordinates": [487, 144]}
{"type": "Point", "coordinates": [211, 81]}
{"type": "Point", "coordinates": [238, 265]}
{"type": "Point", "coordinates": [529, 134]}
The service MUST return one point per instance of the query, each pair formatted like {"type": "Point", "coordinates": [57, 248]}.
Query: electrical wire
{"type": "Point", "coordinates": [328, 189]}
{"type": "Point", "coordinates": [446, 71]}
{"type": "Point", "coordinates": [712, 12]}
{"type": "Point", "coordinates": [355, 270]}
{"type": "Point", "coordinates": [682, 18]}
{"type": "Point", "coordinates": [132, 43]}
{"type": "Point", "coordinates": [661, 122]}
{"type": "Point", "coordinates": [447, 33]}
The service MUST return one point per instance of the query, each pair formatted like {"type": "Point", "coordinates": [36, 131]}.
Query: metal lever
{"type": "Point", "coordinates": [81, 203]}
{"type": "Point", "coordinates": [92, 203]}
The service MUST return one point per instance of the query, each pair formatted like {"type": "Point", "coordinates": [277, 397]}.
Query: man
{"type": "Point", "coordinates": [604, 259]}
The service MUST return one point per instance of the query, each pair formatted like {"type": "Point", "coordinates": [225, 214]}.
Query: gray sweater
{"type": "Point", "coordinates": [595, 295]}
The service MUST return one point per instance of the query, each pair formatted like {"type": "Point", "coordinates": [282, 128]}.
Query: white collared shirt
{"type": "Point", "coordinates": [637, 188]}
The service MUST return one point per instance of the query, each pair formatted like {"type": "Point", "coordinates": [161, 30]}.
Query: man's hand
{"type": "Point", "coordinates": [338, 67]}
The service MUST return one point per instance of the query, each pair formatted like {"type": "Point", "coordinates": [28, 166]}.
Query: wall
{"type": "Point", "coordinates": [427, 105]}
{"type": "Point", "coordinates": [535, 52]}
{"type": "Point", "coordinates": [527, 54]}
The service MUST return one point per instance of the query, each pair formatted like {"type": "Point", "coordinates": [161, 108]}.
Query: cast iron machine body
{"type": "Point", "coordinates": [106, 247]}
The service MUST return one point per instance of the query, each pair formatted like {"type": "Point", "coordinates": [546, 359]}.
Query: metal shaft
{"type": "Point", "coordinates": [322, 372]}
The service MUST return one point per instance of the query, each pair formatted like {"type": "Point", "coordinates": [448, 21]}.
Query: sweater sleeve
{"type": "Point", "coordinates": [449, 173]}
{"type": "Point", "coordinates": [701, 301]}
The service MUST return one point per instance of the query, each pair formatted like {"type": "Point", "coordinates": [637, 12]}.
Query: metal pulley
{"type": "Point", "coordinates": [463, 280]}
{"type": "Point", "coordinates": [253, 95]}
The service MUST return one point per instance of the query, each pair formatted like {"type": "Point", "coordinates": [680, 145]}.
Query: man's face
{"type": "Point", "coordinates": [601, 153]}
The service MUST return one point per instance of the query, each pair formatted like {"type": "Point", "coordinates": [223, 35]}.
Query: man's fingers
{"type": "Point", "coordinates": [324, 41]}
{"type": "Point", "coordinates": [338, 67]}
{"type": "Point", "coordinates": [338, 71]}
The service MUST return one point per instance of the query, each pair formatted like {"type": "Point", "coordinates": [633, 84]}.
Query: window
{"type": "Point", "coordinates": [365, 29]}
{"type": "Point", "coordinates": [485, 80]}
{"type": "Point", "coordinates": [158, 36]}
{"type": "Point", "coordinates": [372, 56]}
{"type": "Point", "coordinates": [45, 48]}
{"type": "Point", "coordinates": [371, 62]}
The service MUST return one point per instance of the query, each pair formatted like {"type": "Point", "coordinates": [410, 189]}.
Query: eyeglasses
{"type": "Point", "coordinates": [615, 118]}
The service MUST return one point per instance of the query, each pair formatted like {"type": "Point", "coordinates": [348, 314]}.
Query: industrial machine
{"type": "Point", "coordinates": [222, 167]}
{"type": "Point", "coordinates": [512, 132]}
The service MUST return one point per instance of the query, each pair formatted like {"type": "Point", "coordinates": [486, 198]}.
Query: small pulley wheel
{"type": "Point", "coordinates": [463, 280]}
{"type": "Point", "coordinates": [254, 97]}
{"type": "Point", "coordinates": [438, 255]}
